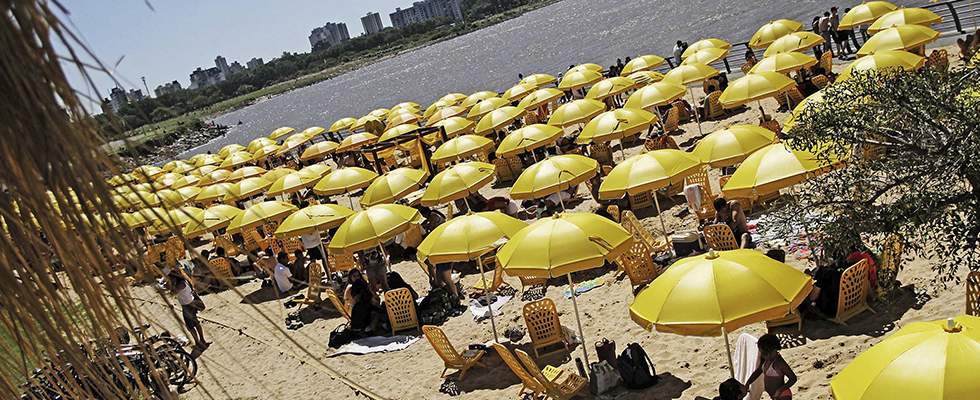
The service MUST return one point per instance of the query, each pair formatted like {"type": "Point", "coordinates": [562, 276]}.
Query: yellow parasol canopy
{"type": "Point", "coordinates": [189, 180]}
{"type": "Point", "coordinates": [610, 87]}
{"type": "Point", "coordinates": [216, 176]}
{"type": "Point", "coordinates": [642, 63]}
{"type": "Point", "coordinates": [457, 182]}
{"type": "Point", "coordinates": [775, 167]}
{"type": "Point", "coordinates": [588, 67]}
{"type": "Point", "coordinates": [616, 124]}
{"type": "Point", "coordinates": [797, 41]}
{"type": "Point", "coordinates": [784, 63]}
{"type": "Point", "coordinates": [291, 183]}
{"type": "Point", "coordinates": [655, 94]}
{"type": "Point", "coordinates": [540, 97]}
{"type": "Point", "coordinates": [902, 37]}
{"type": "Point", "coordinates": [528, 138]}
{"type": "Point", "coordinates": [768, 33]}
{"type": "Point", "coordinates": [311, 219]}
{"type": "Point", "coordinates": [538, 80]}
{"type": "Point", "coordinates": [731, 145]}
{"type": "Point", "coordinates": [210, 220]}
{"type": "Point", "coordinates": [754, 87]}
{"type": "Point", "coordinates": [644, 78]}
{"type": "Point", "coordinates": [576, 112]}
{"type": "Point", "coordinates": [236, 160]}
{"type": "Point", "coordinates": [281, 133]}
{"type": "Point", "coordinates": [562, 244]}
{"type": "Point", "coordinates": [485, 107]}
{"type": "Point", "coordinates": [216, 192]}
{"type": "Point", "coordinates": [356, 141]}
{"type": "Point", "coordinates": [319, 149]}
{"type": "Point", "coordinates": [648, 171]}
{"type": "Point", "coordinates": [246, 188]}
{"type": "Point", "coordinates": [885, 62]}
{"type": "Point", "coordinates": [576, 79]}
{"type": "Point", "coordinates": [461, 147]}
{"type": "Point", "coordinates": [259, 143]}
{"type": "Point", "coordinates": [453, 98]}
{"type": "Point", "coordinates": [401, 117]}
{"type": "Point", "coordinates": [706, 56]}
{"type": "Point", "coordinates": [245, 172]}
{"type": "Point", "coordinates": [705, 44]}
{"type": "Point", "coordinates": [477, 97]}
{"type": "Point", "coordinates": [372, 227]}
{"type": "Point", "coordinates": [293, 142]}
{"type": "Point", "coordinates": [690, 73]}
{"type": "Point", "coordinates": [179, 197]}
{"type": "Point", "coordinates": [344, 180]}
{"type": "Point", "coordinates": [443, 113]}
{"type": "Point", "coordinates": [553, 174]}
{"type": "Point", "coordinates": [865, 13]}
{"type": "Point", "coordinates": [456, 126]}
{"type": "Point", "coordinates": [393, 185]}
{"type": "Point", "coordinates": [467, 237]}
{"type": "Point", "coordinates": [342, 124]}
{"type": "Point", "coordinates": [397, 131]}
{"type": "Point", "coordinates": [905, 16]}
{"type": "Point", "coordinates": [274, 174]}
{"type": "Point", "coordinates": [259, 214]}
{"type": "Point", "coordinates": [518, 91]}
{"type": "Point", "coordinates": [498, 119]}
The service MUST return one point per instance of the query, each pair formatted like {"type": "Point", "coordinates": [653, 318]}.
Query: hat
{"type": "Point", "coordinates": [834, 8]}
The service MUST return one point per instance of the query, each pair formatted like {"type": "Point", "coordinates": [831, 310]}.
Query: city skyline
{"type": "Point", "coordinates": [151, 47]}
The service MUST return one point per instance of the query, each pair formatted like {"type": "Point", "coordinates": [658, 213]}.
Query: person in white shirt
{"type": "Point", "coordinates": [678, 51]}
{"type": "Point", "coordinates": [281, 273]}
{"type": "Point", "coordinates": [312, 246]}
{"type": "Point", "coordinates": [190, 304]}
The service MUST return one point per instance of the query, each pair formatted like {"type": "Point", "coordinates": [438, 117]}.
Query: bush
{"type": "Point", "coordinates": [244, 89]}
{"type": "Point", "coordinates": [161, 114]}
{"type": "Point", "coordinates": [200, 102]}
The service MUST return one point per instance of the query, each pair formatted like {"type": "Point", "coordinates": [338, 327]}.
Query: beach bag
{"type": "Point", "coordinates": [686, 243]}
{"type": "Point", "coordinates": [340, 336]}
{"type": "Point", "coordinates": [606, 350]}
{"type": "Point", "coordinates": [636, 369]}
{"type": "Point", "coordinates": [602, 378]}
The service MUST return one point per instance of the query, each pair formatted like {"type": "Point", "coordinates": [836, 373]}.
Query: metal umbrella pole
{"type": "Point", "coordinates": [581, 333]}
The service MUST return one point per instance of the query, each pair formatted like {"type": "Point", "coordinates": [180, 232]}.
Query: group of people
{"type": "Point", "coordinates": [828, 27]}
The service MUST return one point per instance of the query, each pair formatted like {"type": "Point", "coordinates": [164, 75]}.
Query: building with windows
{"type": "Point", "coordinates": [372, 23]}
{"type": "Point", "coordinates": [118, 97]}
{"type": "Point", "coordinates": [331, 34]}
{"type": "Point", "coordinates": [426, 9]}
{"type": "Point", "coordinates": [254, 63]}
{"type": "Point", "coordinates": [222, 65]}
{"type": "Point", "coordinates": [167, 88]}
{"type": "Point", "coordinates": [205, 77]}
{"type": "Point", "coordinates": [235, 68]}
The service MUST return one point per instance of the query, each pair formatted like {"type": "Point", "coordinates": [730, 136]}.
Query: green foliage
{"type": "Point", "coordinates": [161, 114]}
{"type": "Point", "coordinates": [244, 89]}
{"type": "Point", "coordinates": [925, 189]}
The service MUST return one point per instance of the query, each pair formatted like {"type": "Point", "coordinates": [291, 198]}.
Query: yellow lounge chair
{"type": "Point", "coordinates": [638, 264]}
{"type": "Point", "coordinates": [714, 106]}
{"type": "Point", "coordinates": [631, 224]}
{"type": "Point", "coordinates": [222, 270]}
{"type": "Point", "coordinates": [224, 241]}
{"type": "Point", "coordinates": [853, 298]}
{"type": "Point", "coordinates": [671, 121]}
{"type": "Point", "coordinates": [452, 359]}
{"type": "Point", "coordinates": [601, 153]}
{"type": "Point", "coordinates": [543, 325]}
{"type": "Point", "coordinates": [254, 241]}
{"type": "Point", "coordinates": [401, 310]}
{"type": "Point", "coordinates": [340, 262]}
{"type": "Point", "coordinates": [315, 290]}
{"type": "Point", "coordinates": [820, 81]}
{"type": "Point", "coordinates": [571, 386]}
{"type": "Point", "coordinates": [891, 259]}
{"type": "Point", "coordinates": [495, 283]}
{"type": "Point", "coordinates": [614, 211]}
{"type": "Point", "coordinates": [337, 303]}
{"type": "Point", "coordinates": [720, 237]}
{"type": "Point", "coordinates": [527, 381]}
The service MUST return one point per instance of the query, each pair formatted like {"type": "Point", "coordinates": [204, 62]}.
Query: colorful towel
{"type": "Point", "coordinates": [584, 287]}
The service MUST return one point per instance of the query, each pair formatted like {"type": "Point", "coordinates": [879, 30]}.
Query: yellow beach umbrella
{"type": "Point", "coordinates": [147, 172]}
{"type": "Point", "coordinates": [281, 133]}
{"type": "Point", "coordinates": [245, 172]}
{"type": "Point", "coordinates": [314, 131]}
{"type": "Point", "coordinates": [706, 56]}
{"type": "Point", "coordinates": [518, 92]}
{"type": "Point", "coordinates": [755, 87]}
{"type": "Point", "coordinates": [923, 360]}
{"type": "Point", "coordinates": [576, 79]}
{"type": "Point", "coordinates": [644, 78]}
{"type": "Point", "coordinates": [210, 220]}
{"type": "Point", "coordinates": [144, 217]}
{"type": "Point", "coordinates": [186, 181]}
{"type": "Point", "coordinates": [406, 104]}
{"type": "Point", "coordinates": [292, 183]}
{"type": "Point", "coordinates": [730, 146]}
{"type": "Point", "coordinates": [902, 37]}
{"type": "Point", "coordinates": [372, 227]}
{"type": "Point", "coordinates": [885, 62]}
{"type": "Point", "coordinates": [342, 124]}
{"type": "Point", "coordinates": [498, 119]}
{"type": "Point", "coordinates": [265, 152]}
{"type": "Point", "coordinates": [905, 16]}
{"type": "Point", "coordinates": [401, 117]}
{"type": "Point", "coordinates": [553, 174]}
{"type": "Point", "coordinates": [775, 167]}
{"type": "Point", "coordinates": [216, 176]}
{"type": "Point", "coordinates": [616, 124]}
{"type": "Point", "coordinates": [170, 165]}
{"type": "Point", "coordinates": [368, 123]}
{"type": "Point", "coordinates": [179, 167]}
{"type": "Point", "coordinates": [316, 170]}
{"type": "Point", "coordinates": [797, 41]}
{"type": "Point", "coordinates": [588, 67]}
{"type": "Point", "coordinates": [213, 193]}
{"type": "Point", "coordinates": [642, 63]}
{"type": "Point", "coordinates": [236, 160]}
{"type": "Point", "coordinates": [259, 214]}
{"type": "Point", "coordinates": [477, 97]}
{"type": "Point", "coordinates": [397, 131]}
{"type": "Point", "coordinates": [259, 143]}
{"type": "Point", "coordinates": [293, 142]}
{"type": "Point", "coordinates": [540, 97]}
{"type": "Point", "coordinates": [230, 149]}
{"type": "Point", "coordinates": [528, 138]}
{"type": "Point", "coordinates": [445, 112]}
{"type": "Point", "coordinates": [246, 188]}
{"type": "Point", "coordinates": [485, 107]}
{"type": "Point", "coordinates": [356, 141]}
{"type": "Point", "coordinates": [313, 219]}
{"type": "Point", "coordinates": [461, 147]}
{"type": "Point", "coordinates": [457, 182]}
{"type": "Point", "coordinates": [380, 113]}
{"type": "Point", "coordinates": [865, 13]}
{"type": "Point", "coordinates": [393, 185]}
{"type": "Point", "coordinates": [705, 44]}
{"type": "Point", "coordinates": [274, 174]}
{"type": "Point", "coordinates": [768, 33]}
{"type": "Point", "coordinates": [655, 94]}
{"type": "Point", "coordinates": [453, 98]}
{"type": "Point", "coordinates": [344, 180]}
{"type": "Point", "coordinates": [576, 112]}
{"type": "Point", "coordinates": [562, 244]}
{"type": "Point", "coordinates": [538, 80]}
{"type": "Point", "coordinates": [456, 126]}
{"type": "Point", "coordinates": [319, 149]}
{"type": "Point", "coordinates": [690, 73]}
{"type": "Point", "coordinates": [176, 218]}
{"type": "Point", "coordinates": [610, 87]}
{"type": "Point", "coordinates": [716, 293]}
{"type": "Point", "coordinates": [438, 105]}
{"type": "Point", "coordinates": [179, 197]}
{"type": "Point", "coordinates": [166, 180]}
{"type": "Point", "coordinates": [784, 63]}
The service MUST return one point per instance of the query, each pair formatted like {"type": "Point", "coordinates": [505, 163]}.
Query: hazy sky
{"type": "Point", "coordinates": [177, 36]}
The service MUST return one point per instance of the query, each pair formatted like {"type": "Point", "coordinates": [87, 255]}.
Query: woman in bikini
{"type": "Point", "coordinates": [779, 376]}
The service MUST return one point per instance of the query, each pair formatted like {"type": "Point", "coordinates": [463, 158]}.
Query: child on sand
{"type": "Point", "coordinates": [779, 376]}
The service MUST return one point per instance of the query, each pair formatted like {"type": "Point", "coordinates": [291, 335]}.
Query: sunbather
{"type": "Point", "coordinates": [779, 376]}
{"type": "Point", "coordinates": [730, 213]}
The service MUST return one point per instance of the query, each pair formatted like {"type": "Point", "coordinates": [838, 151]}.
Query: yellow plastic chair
{"type": "Point", "coordinates": [270, 228]}
{"type": "Point", "coordinates": [771, 125]}
{"type": "Point", "coordinates": [290, 245]}
{"type": "Point", "coordinates": [745, 202]}
{"type": "Point", "coordinates": [714, 105]}
{"type": "Point", "coordinates": [254, 241]}
{"type": "Point", "coordinates": [891, 264]}
{"type": "Point", "coordinates": [401, 310]}
{"type": "Point", "coordinates": [820, 81]}
{"type": "Point", "coordinates": [413, 236]}
{"type": "Point", "coordinates": [543, 325]}
{"type": "Point", "coordinates": [683, 115]}
{"type": "Point", "coordinates": [653, 144]}
{"type": "Point", "coordinates": [176, 247]}
{"type": "Point", "coordinates": [706, 210]}
{"type": "Point", "coordinates": [452, 359]}
{"type": "Point", "coordinates": [340, 262]}
{"type": "Point", "coordinates": [224, 241]}
{"type": "Point", "coordinates": [939, 60]}
{"type": "Point", "coordinates": [314, 292]}
{"type": "Point", "coordinates": [222, 270]}
{"type": "Point", "coordinates": [973, 294]}
{"type": "Point", "coordinates": [614, 211]}
{"type": "Point", "coordinates": [337, 303]}
{"type": "Point", "coordinates": [795, 97]}
{"type": "Point", "coordinates": [720, 237]}
{"type": "Point", "coordinates": [504, 174]}
{"type": "Point", "coordinates": [495, 283]}
{"type": "Point", "coordinates": [573, 384]}
{"type": "Point", "coordinates": [641, 200]}
{"type": "Point", "coordinates": [638, 264]}
{"type": "Point", "coordinates": [527, 381]}
{"type": "Point", "coordinates": [672, 121]}
{"type": "Point", "coordinates": [531, 281]}
{"type": "Point", "coordinates": [853, 298]}
{"type": "Point", "coordinates": [826, 61]}
{"type": "Point", "coordinates": [747, 68]}
{"type": "Point", "coordinates": [632, 225]}
{"type": "Point", "coordinates": [516, 166]}
{"type": "Point", "coordinates": [601, 153]}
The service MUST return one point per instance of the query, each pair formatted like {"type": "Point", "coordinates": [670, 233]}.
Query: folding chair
{"type": "Point", "coordinates": [852, 297]}
{"type": "Point", "coordinates": [452, 359]}
{"type": "Point", "coordinates": [543, 325]}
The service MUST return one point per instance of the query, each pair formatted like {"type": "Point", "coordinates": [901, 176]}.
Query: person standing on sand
{"type": "Point", "coordinates": [678, 51]}
{"type": "Point", "coordinates": [825, 31]}
{"type": "Point", "coordinates": [779, 376]}
{"type": "Point", "coordinates": [190, 304]}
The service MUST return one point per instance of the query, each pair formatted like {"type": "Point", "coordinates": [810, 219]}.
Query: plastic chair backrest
{"type": "Point", "coordinates": [535, 371]}
{"type": "Point", "coordinates": [316, 281]}
{"type": "Point", "coordinates": [820, 81]}
{"type": "Point", "coordinates": [341, 262]}
{"type": "Point", "coordinates": [634, 227]}
{"type": "Point", "coordinates": [601, 153]}
{"type": "Point", "coordinates": [614, 211]}
{"type": "Point", "coordinates": [290, 245]}
{"type": "Point", "coordinates": [339, 305]}
{"type": "Point", "coordinates": [270, 228]}
{"type": "Point", "coordinates": [973, 294]}
{"type": "Point", "coordinates": [653, 144]}
{"type": "Point", "coordinates": [747, 68]}
{"type": "Point", "coordinates": [641, 200]}
{"type": "Point", "coordinates": [671, 143]}
{"type": "Point", "coordinates": [771, 125]}
{"type": "Point", "coordinates": [720, 237]}
{"type": "Point", "coordinates": [939, 60]}
{"type": "Point", "coordinates": [672, 120]}
{"type": "Point", "coordinates": [682, 113]}
{"type": "Point", "coordinates": [852, 297]}
{"type": "Point", "coordinates": [401, 310]}
{"type": "Point", "coordinates": [503, 171]}
{"type": "Point", "coordinates": [715, 105]}
{"type": "Point", "coordinates": [224, 241]}
{"type": "Point", "coordinates": [542, 321]}
{"type": "Point", "coordinates": [826, 61]}
{"type": "Point", "coordinates": [638, 264]}
{"type": "Point", "coordinates": [221, 268]}
{"type": "Point", "coordinates": [700, 178]}
{"type": "Point", "coordinates": [515, 164]}
{"type": "Point", "coordinates": [276, 246]}
{"type": "Point", "coordinates": [526, 378]}
{"type": "Point", "coordinates": [177, 246]}
{"type": "Point", "coordinates": [795, 96]}
{"type": "Point", "coordinates": [440, 343]}
{"type": "Point", "coordinates": [887, 271]}
{"type": "Point", "coordinates": [413, 236]}
{"type": "Point", "coordinates": [707, 208]}
{"type": "Point", "coordinates": [253, 241]}
{"type": "Point", "coordinates": [874, 151]}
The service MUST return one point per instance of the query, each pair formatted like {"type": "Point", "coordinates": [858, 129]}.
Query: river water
{"type": "Point", "coordinates": [546, 40]}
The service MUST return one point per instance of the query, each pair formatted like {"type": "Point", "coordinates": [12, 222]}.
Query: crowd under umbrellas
{"type": "Point", "coordinates": [445, 154]}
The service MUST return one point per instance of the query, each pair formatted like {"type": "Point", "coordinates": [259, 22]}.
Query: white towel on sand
{"type": "Point", "coordinates": [746, 360]}
{"type": "Point", "coordinates": [376, 344]}
{"type": "Point", "coordinates": [481, 312]}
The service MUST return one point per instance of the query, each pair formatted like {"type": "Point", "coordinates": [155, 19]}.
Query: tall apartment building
{"type": "Point", "coordinates": [222, 65]}
{"type": "Point", "coordinates": [167, 88]}
{"type": "Point", "coordinates": [118, 97]}
{"type": "Point", "coordinates": [426, 9]}
{"type": "Point", "coordinates": [331, 33]}
{"type": "Point", "coordinates": [206, 77]}
{"type": "Point", "coordinates": [235, 68]}
{"type": "Point", "coordinates": [372, 23]}
{"type": "Point", "coordinates": [254, 63]}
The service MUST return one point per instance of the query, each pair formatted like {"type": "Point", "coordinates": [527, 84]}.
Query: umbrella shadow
{"type": "Point", "coordinates": [868, 323]}
{"type": "Point", "coordinates": [667, 387]}
{"type": "Point", "coordinates": [264, 294]}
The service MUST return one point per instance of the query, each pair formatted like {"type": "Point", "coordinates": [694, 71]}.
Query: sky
{"type": "Point", "coordinates": [174, 37]}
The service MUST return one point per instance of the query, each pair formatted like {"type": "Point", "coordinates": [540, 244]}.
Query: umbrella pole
{"type": "Point", "coordinates": [581, 334]}
{"type": "Point", "coordinates": [350, 200]}
{"type": "Point", "coordinates": [323, 252]}
{"type": "Point", "coordinates": [486, 288]}
{"type": "Point", "coordinates": [806, 230]}
{"type": "Point", "coordinates": [385, 255]}
{"type": "Point", "coordinates": [728, 348]}
{"type": "Point", "coordinates": [663, 226]}
{"type": "Point", "coordinates": [696, 117]}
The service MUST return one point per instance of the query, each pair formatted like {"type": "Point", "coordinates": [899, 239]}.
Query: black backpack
{"type": "Point", "coordinates": [636, 369]}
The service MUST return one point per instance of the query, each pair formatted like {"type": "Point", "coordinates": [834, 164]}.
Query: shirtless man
{"type": "Point", "coordinates": [266, 262]}
{"type": "Point", "coordinates": [730, 213]}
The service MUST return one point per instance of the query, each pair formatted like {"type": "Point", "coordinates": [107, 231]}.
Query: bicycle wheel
{"type": "Point", "coordinates": [179, 365]}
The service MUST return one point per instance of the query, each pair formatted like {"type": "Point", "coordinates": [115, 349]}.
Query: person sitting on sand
{"type": "Point", "coordinates": [353, 277]}
{"type": "Point", "coordinates": [730, 213]}
{"type": "Point", "coordinates": [779, 376]}
{"type": "Point", "coordinates": [365, 315]}
{"type": "Point", "coordinates": [236, 267]}
{"type": "Point", "coordinates": [201, 271]}
{"type": "Point", "coordinates": [504, 205]}
{"type": "Point", "coordinates": [266, 263]}
{"type": "Point", "coordinates": [395, 281]}
{"type": "Point", "coordinates": [298, 267]}
{"type": "Point", "coordinates": [281, 273]}
{"type": "Point", "coordinates": [730, 389]}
